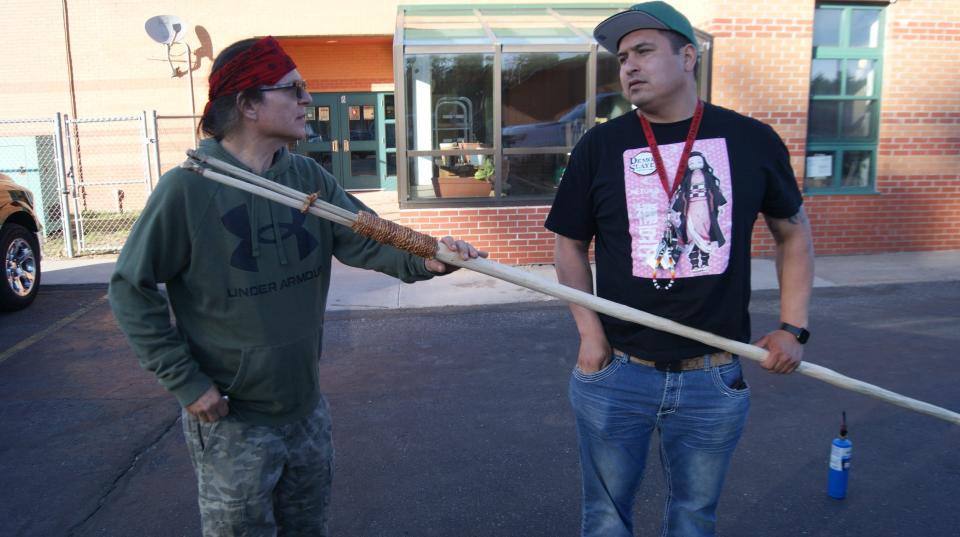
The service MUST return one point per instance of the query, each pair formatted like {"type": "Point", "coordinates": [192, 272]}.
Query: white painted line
{"type": "Point", "coordinates": [52, 328]}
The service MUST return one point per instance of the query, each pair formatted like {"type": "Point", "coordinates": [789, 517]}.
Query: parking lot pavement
{"type": "Point", "coordinates": [454, 422]}
{"type": "Point", "coordinates": [75, 411]}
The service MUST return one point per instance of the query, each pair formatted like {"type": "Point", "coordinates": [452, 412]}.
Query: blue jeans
{"type": "Point", "coordinates": [699, 416]}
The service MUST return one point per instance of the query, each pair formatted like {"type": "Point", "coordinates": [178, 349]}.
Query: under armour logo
{"type": "Point", "coordinates": [237, 221]}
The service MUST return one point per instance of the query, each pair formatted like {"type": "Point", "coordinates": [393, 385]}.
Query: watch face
{"type": "Point", "coordinates": [803, 336]}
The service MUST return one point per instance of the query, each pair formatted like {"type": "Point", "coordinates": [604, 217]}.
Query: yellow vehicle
{"type": "Point", "coordinates": [19, 245]}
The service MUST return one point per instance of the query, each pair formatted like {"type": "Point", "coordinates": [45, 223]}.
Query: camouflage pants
{"type": "Point", "coordinates": [256, 480]}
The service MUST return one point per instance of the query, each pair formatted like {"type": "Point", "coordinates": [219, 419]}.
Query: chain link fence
{"type": "Point", "coordinates": [173, 136]}
{"type": "Point", "coordinates": [31, 154]}
{"type": "Point", "coordinates": [91, 177]}
{"type": "Point", "coordinates": [109, 178]}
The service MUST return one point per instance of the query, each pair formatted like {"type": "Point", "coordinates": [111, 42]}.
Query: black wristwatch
{"type": "Point", "coordinates": [802, 334]}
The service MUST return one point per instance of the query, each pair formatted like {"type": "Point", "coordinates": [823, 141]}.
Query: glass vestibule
{"type": "Point", "coordinates": [492, 99]}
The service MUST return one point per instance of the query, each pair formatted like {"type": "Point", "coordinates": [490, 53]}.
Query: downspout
{"type": "Point", "coordinates": [73, 95]}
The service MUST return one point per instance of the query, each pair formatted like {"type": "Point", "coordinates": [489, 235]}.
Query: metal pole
{"type": "Point", "coordinates": [500, 178]}
{"type": "Point", "coordinates": [62, 183]}
{"type": "Point", "coordinates": [400, 113]}
{"type": "Point", "coordinates": [147, 182]}
{"type": "Point", "coordinates": [156, 146]}
{"type": "Point", "coordinates": [73, 184]}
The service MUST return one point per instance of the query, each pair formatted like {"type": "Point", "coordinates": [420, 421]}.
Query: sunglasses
{"type": "Point", "coordinates": [299, 85]}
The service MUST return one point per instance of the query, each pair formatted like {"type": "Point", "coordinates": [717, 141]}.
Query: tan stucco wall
{"type": "Point", "coordinates": [118, 69]}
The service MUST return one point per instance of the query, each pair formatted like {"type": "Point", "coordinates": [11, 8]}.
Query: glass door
{"type": "Point", "coordinates": [360, 141]}
{"type": "Point", "coordinates": [344, 137]}
{"type": "Point", "coordinates": [322, 143]}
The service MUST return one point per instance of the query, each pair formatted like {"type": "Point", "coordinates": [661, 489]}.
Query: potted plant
{"type": "Point", "coordinates": [486, 171]}
{"type": "Point", "coordinates": [466, 180]}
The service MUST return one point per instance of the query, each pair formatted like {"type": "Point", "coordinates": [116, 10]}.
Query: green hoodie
{"type": "Point", "coordinates": [248, 306]}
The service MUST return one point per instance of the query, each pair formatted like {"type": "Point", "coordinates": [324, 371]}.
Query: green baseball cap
{"type": "Point", "coordinates": [648, 15]}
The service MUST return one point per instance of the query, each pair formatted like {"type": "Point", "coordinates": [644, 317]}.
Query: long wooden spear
{"type": "Point", "coordinates": [425, 246]}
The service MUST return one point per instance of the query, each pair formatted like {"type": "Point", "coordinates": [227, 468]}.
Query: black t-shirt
{"type": "Point", "coordinates": [611, 191]}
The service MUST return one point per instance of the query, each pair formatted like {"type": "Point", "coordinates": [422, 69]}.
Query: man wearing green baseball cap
{"type": "Point", "coordinates": [670, 193]}
{"type": "Point", "coordinates": [648, 15]}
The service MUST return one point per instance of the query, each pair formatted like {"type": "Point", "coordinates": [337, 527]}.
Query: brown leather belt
{"type": "Point", "coordinates": [687, 364]}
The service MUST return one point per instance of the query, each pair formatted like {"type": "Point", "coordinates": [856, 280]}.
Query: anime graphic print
{"type": "Point", "coordinates": [687, 235]}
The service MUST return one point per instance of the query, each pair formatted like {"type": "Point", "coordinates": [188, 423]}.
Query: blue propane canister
{"type": "Point", "coordinates": [839, 462]}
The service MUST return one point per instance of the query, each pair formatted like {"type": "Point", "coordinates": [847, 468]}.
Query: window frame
{"type": "Point", "coordinates": [389, 182]}
{"type": "Point", "coordinates": [840, 144]}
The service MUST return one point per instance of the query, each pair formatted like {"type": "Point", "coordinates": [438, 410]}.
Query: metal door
{"type": "Point", "coordinates": [344, 137]}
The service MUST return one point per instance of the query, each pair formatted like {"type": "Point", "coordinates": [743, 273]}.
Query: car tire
{"type": "Point", "coordinates": [20, 277]}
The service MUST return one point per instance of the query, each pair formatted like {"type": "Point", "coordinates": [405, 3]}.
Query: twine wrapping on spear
{"type": "Point", "coordinates": [387, 232]}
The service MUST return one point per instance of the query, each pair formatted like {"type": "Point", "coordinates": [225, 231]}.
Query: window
{"type": "Point", "coordinates": [389, 149]}
{"type": "Point", "coordinates": [844, 114]}
{"type": "Point", "coordinates": [449, 109]}
{"type": "Point", "coordinates": [491, 100]}
{"type": "Point", "coordinates": [544, 106]}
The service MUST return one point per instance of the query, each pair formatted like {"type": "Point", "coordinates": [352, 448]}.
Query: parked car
{"type": "Point", "coordinates": [19, 245]}
{"type": "Point", "coordinates": [568, 128]}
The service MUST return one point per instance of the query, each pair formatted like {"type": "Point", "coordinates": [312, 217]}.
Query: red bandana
{"type": "Point", "coordinates": [263, 64]}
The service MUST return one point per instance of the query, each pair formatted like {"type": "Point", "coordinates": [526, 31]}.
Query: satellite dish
{"type": "Point", "coordinates": [165, 29]}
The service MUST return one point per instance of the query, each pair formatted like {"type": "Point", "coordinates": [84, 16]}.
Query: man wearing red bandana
{"type": "Point", "coordinates": [247, 281]}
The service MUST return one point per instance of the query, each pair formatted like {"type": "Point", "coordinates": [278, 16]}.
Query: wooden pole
{"type": "Point", "coordinates": [614, 309]}
{"type": "Point", "coordinates": [293, 198]}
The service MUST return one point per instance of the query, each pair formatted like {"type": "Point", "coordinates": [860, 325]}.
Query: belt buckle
{"type": "Point", "coordinates": [718, 359]}
{"type": "Point", "coordinates": [669, 367]}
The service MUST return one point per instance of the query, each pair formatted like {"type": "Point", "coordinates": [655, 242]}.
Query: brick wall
{"type": "Point", "coordinates": [761, 61]}
{"type": "Point", "coordinates": [757, 72]}
{"type": "Point", "coordinates": [512, 235]}
{"type": "Point", "coordinates": [918, 168]}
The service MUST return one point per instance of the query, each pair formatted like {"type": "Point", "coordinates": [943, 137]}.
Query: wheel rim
{"type": "Point", "coordinates": [21, 267]}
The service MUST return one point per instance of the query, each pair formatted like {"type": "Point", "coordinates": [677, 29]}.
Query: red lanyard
{"type": "Point", "coordinates": [687, 147]}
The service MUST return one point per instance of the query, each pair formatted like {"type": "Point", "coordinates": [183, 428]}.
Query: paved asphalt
{"type": "Point", "coordinates": [454, 422]}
